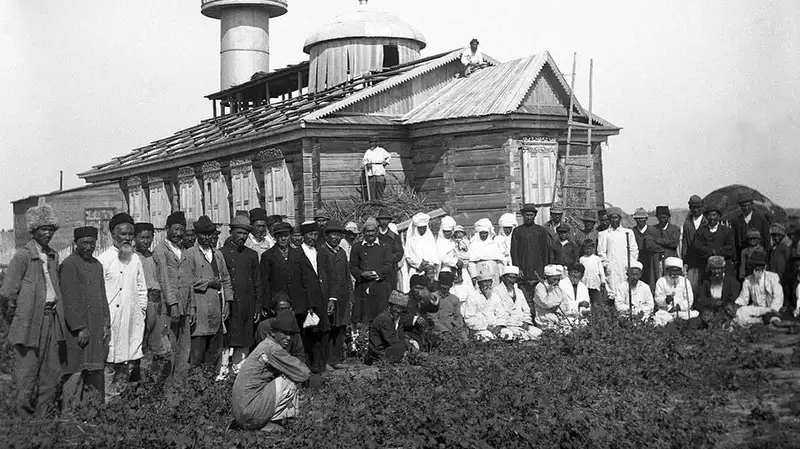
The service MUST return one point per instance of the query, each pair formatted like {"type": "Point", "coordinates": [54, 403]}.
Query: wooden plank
{"type": "Point", "coordinates": [478, 159]}
{"type": "Point", "coordinates": [471, 202]}
{"type": "Point", "coordinates": [481, 187]}
{"type": "Point", "coordinates": [480, 173]}
{"type": "Point", "coordinates": [355, 177]}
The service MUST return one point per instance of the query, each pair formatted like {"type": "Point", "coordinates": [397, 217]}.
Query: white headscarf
{"type": "Point", "coordinates": [421, 247]}
{"type": "Point", "coordinates": [484, 249]}
{"type": "Point", "coordinates": [506, 221]}
{"type": "Point", "coordinates": [447, 247]}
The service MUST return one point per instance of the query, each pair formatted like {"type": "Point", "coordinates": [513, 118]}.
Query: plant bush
{"type": "Point", "coordinates": [613, 383]}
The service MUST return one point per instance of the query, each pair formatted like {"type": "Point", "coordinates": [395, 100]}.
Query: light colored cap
{"type": "Point", "coordinates": [485, 277]}
{"type": "Point", "coordinates": [640, 213]}
{"type": "Point", "coordinates": [673, 262]}
{"type": "Point", "coordinates": [483, 225]}
{"type": "Point", "coordinates": [553, 270]}
{"type": "Point", "coordinates": [448, 223]}
{"type": "Point", "coordinates": [398, 298]}
{"type": "Point", "coordinates": [637, 264]}
{"type": "Point", "coordinates": [351, 227]}
{"type": "Point", "coordinates": [510, 269]}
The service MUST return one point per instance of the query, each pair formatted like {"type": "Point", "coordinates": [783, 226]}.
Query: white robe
{"type": "Point", "coordinates": [555, 307]}
{"type": "Point", "coordinates": [514, 314]}
{"type": "Point", "coordinates": [613, 251]}
{"type": "Point", "coordinates": [572, 301]}
{"type": "Point", "coordinates": [642, 299]}
{"type": "Point", "coordinates": [758, 297]}
{"type": "Point", "coordinates": [126, 293]}
{"type": "Point", "coordinates": [478, 315]}
{"type": "Point", "coordinates": [681, 288]}
{"type": "Point", "coordinates": [447, 251]}
{"type": "Point", "coordinates": [419, 248]}
{"type": "Point", "coordinates": [485, 257]}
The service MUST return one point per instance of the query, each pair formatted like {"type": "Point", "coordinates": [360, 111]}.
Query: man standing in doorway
{"type": "Point", "coordinates": [31, 289]}
{"type": "Point", "coordinates": [126, 292]}
{"type": "Point", "coordinates": [375, 161]}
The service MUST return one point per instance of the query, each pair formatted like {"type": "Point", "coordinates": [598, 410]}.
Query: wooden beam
{"type": "Point", "coordinates": [214, 102]}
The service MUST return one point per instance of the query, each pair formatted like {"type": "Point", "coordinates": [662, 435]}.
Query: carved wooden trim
{"type": "Point", "coordinates": [134, 182]}
{"type": "Point", "coordinates": [212, 170]}
{"type": "Point", "coordinates": [269, 155]}
{"type": "Point", "coordinates": [241, 166]}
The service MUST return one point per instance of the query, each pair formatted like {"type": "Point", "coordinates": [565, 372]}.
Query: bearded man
{"type": "Point", "coordinates": [126, 292]}
{"type": "Point", "coordinates": [87, 319]}
{"type": "Point", "coordinates": [530, 249]}
{"type": "Point", "coordinates": [512, 314]}
{"type": "Point", "coordinates": [673, 294]}
{"type": "Point", "coordinates": [243, 268]}
{"type": "Point", "coordinates": [761, 294]}
{"type": "Point", "coordinates": [371, 264]}
{"type": "Point", "coordinates": [716, 299]}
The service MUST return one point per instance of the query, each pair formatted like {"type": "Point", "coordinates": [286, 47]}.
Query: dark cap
{"type": "Point", "coordinates": [662, 210]}
{"type": "Point", "coordinates": [695, 200]}
{"type": "Point", "coordinates": [141, 227]}
{"type": "Point", "coordinates": [86, 231]}
{"type": "Point", "coordinates": [120, 218]}
{"type": "Point", "coordinates": [334, 226]}
{"type": "Point", "coordinates": [446, 277]}
{"type": "Point", "coordinates": [286, 322]}
{"type": "Point", "coordinates": [204, 225]}
{"type": "Point", "coordinates": [177, 217]}
{"type": "Point", "coordinates": [384, 213]}
{"type": "Point", "coordinates": [280, 227]}
{"type": "Point", "coordinates": [307, 227]}
{"type": "Point", "coordinates": [258, 214]}
{"type": "Point", "coordinates": [419, 279]}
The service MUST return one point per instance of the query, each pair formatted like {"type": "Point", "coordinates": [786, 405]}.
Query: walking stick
{"type": "Point", "coordinates": [686, 295]}
{"type": "Point", "coordinates": [627, 275]}
{"type": "Point", "coordinates": [366, 181]}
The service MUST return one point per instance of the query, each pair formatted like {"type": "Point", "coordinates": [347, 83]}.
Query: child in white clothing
{"type": "Point", "coordinates": [595, 276]}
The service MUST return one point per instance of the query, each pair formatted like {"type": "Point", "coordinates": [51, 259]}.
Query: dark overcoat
{"type": "Point", "coordinates": [243, 269]}
{"type": "Point", "coordinates": [371, 297]}
{"type": "Point", "coordinates": [275, 275]}
{"type": "Point", "coordinates": [336, 282]}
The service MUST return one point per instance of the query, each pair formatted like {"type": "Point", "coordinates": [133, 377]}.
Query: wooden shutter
{"type": "Point", "coordinates": [137, 200]}
{"type": "Point", "coordinates": [539, 162]}
{"type": "Point", "coordinates": [217, 204]}
{"type": "Point", "coordinates": [190, 194]}
{"type": "Point", "coordinates": [279, 190]}
{"type": "Point", "coordinates": [244, 185]}
{"type": "Point", "coordinates": [160, 206]}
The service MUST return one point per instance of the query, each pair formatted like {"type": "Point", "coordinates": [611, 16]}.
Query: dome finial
{"type": "Point", "coordinates": [362, 2]}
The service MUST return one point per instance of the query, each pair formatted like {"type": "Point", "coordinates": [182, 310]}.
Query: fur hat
{"type": "Point", "coordinates": [715, 262]}
{"type": "Point", "coordinates": [39, 216]}
{"type": "Point", "coordinates": [120, 218]}
{"type": "Point", "coordinates": [285, 322]}
{"type": "Point", "coordinates": [399, 299]}
{"type": "Point", "coordinates": [177, 217]}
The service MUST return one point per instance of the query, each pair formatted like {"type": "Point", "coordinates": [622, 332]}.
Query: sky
{"type": "Point", "coordinates": [706, 91]}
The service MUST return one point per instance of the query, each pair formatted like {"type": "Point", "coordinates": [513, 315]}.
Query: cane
{"type": "Point", "coordinates": [686, 295]}
{"type": "Point", "coordinates": [630, 290]}
{"type": "Point", "coordinates": [366, 181]}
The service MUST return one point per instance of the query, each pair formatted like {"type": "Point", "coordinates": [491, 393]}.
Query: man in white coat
{"type": "Point", "coordinates": [673, 294]}
{"type": "Point", "coordinates": [126, 293]}
{"type": "Point", "coordinates": [761, 293]}
{"type": "Point", "coordinates": [511, 311]}
{"type": "Point", "coordinates": [634, 294]}
{"type": "Point", "coordinates": [612, 247]}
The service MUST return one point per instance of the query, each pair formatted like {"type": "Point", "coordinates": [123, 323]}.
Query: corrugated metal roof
{"type": "Point", "coordinates": [385, 85]}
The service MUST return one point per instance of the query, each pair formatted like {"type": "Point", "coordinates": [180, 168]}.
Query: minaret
{"type": "Point", "coordinates": [244, 36]}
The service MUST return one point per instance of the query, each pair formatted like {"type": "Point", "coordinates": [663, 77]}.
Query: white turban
{"type": "Point", "coordinates": [637, 264]}
{"type": "Point", "coordinates": [510, 269]}
{"type": "Point", "coordinates": [448, 223]}
{"type": "Point", "coordinates": [421, 219]}
{"type": "Point", "coordinates": [552, 270]}
{"type": "Point", "coordinates": [508, 220]}
{"type": "Point", "coordinates": [673, 262]}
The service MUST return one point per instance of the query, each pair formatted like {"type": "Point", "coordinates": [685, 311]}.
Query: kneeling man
{"type": "Point", "coordinates": [265, 390]}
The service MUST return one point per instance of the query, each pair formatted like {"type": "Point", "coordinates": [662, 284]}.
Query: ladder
{"type": "Point", "coordinates": [575, 195]}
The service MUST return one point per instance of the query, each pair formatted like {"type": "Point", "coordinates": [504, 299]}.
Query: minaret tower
{"type": "Point", "coordinates": [244, 36]}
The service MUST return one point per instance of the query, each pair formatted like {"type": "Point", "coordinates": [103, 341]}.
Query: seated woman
{"type": "Point", "coordinates": [512, 315]}
{"type": "Point", "coordinates": [387, 341]}
{"type": "Point", "coordinates": [673, 295]}
{"type": "Point", "coordinates": [265, 390]}
{"type": "Point", "coordinates": [761, 294]}
{"type": "Point", "coordinates": [716, 299]}
{"type": "Point", "coordinates": [478, 314]}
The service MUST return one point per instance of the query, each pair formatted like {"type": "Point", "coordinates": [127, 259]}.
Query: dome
{"type": "Point", "coordinates": [364, 22]}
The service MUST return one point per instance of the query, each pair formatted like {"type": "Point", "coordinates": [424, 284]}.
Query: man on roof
{"type": "Point", "coordinates": [472, 58]}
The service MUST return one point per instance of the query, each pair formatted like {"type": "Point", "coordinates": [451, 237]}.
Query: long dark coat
{"type": "Point", "coordinates": [306, 289]}
{"type": "Point", "coordinates": [730, 291]}
{"type": "Point", "coordinates": [650, 259]}
{"type": "Point", "coordinates": [243, 269]}
{"type": "Point", "coordinates": [395, 244]}
{"type": "Point", "coordinates": [83, 290]}
{"type": "Point", "coordinates": [666, 240]}
{"type": "Point", "coordinates": [275, 275]}
{"type": "Point", "coordinates": [707, 244]}
{"type": "Point", "coordinates": [689, 233]}
{"type": "Point", "coordinates": [371, 297]}
{"type": "Point", "coordinates": [336, 282]}
{"type": "Point", "coordinates": [531, 250]}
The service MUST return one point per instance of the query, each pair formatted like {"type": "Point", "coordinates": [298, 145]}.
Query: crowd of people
{"type": "Point", "coordinates": [278, 305]}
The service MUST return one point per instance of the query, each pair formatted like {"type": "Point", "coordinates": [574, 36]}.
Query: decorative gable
{"type": "Point", "coordinates": [546, 96]}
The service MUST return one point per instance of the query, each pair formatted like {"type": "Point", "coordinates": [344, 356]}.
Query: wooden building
{"type": "Point", "coordinates": [89, 205]}
{"type": "Point", "coordinates": [290, 140]}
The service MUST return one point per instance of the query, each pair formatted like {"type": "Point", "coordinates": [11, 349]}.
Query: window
{"type": "Point", "coordinates": [391, 57]}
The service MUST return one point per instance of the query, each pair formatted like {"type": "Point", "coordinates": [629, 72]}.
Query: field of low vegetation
{"type": "Point", "coordinates": [610, 384]}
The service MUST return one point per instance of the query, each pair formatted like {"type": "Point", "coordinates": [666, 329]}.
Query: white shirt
{"type": "Point", "coordinates": [468, 57]}
{"type": "Point", "coordinates": [595, 275]}
{"type": "Point", "coordinates": [311, 253]}
{"type": "Point", "coordinates": [379, 158]}
{"type": "Point", "coordinates": [50, 295]}
{"type": "Point", "coordinates": [262, 246]}
{"type": "Point", "coordinates": [173, 248]}
{"type": "Point", "coordinates": [697, 221]}
{"type": "Point", "coordinates": [208, 253]}
{"type": "Point", "coordinates": [748, 217]}
{"type": "Point", "coordinates": [714, 229]}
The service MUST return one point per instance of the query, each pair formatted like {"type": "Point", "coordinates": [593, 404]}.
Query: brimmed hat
{"type": "Point", "coordinates": [177, 217]}
{"type": "Point", "coordinates": [777, 229]}
{"type": "Point", "coordinates": [204, 225]}
{"type": "Point", "coordinates": [286, 322]}
{"type": "Point", "coordinates": [529, 207]}
{"type": "Point", "coordinates": [352, 227]}
{"type": "Point", "coordinates": [715, 262]}
{"type": "Point", "coordinates": [142, 227]}
{"type": "Point", "coordinates": [384, 213]}
{"type": "Point", "coordinates": [662, 210]}
{"type": "Point", "coordinates": [281, 227]}
{"type": "Point", "coordinates": [745, 195]}
{"type": "Point", "coordinates": [614, 211]}
{"type": "Point", "coordinates": [120, 218]}
{"type": "Point", "coordinates": [308, 226]}
{"type": "Point", "coordinates": [695, 200]}
{"type": "Point", "coordinates": [322, 215]}
{"type": "Point", "coordinates": [241, 222]}
{"type": "Point", "coordinates": [753, 234]}
{"type": "Point", "coordinates": [334, 226]}
{"type": "Point", "coordinates": [85, 231]}
{"type": "Point", "coordinates": [258, 214]}
{"type": "Point", "coordinates": [398, 298]}
{"type": "Point", "coordinates": [640, 213]}
{"type": "Point", "coordinates": [758, 258]}
{"type": "Point", "coordinates": [673, 262]}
